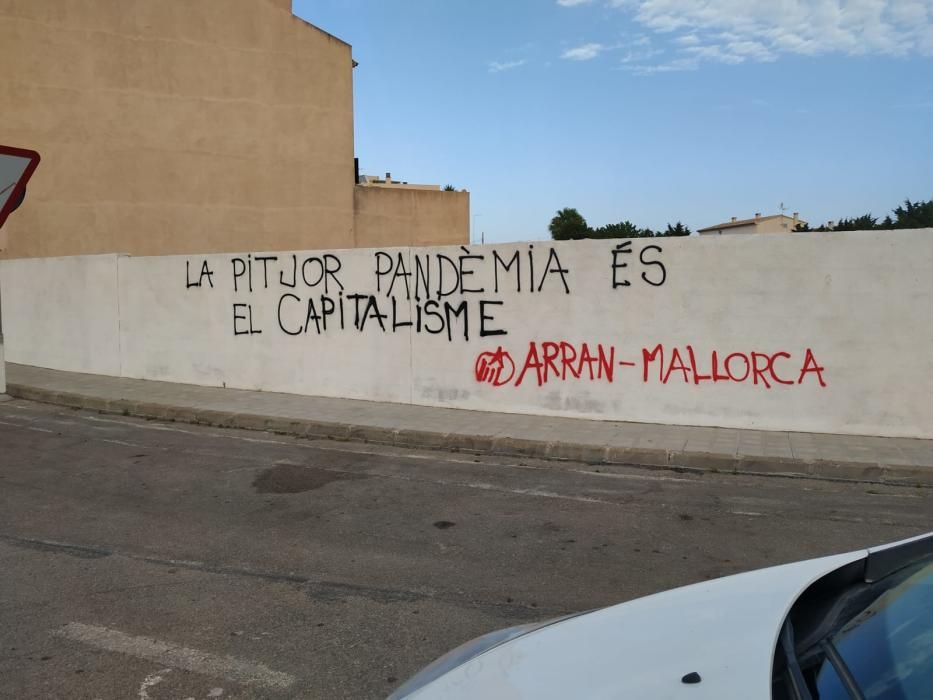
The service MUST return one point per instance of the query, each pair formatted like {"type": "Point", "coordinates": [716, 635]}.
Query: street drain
{"type": "Point", "coordinates": [295, 478]}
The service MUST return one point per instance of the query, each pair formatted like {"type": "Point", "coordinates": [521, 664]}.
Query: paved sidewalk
{"type": "Point", "coordinates": [862, 458]}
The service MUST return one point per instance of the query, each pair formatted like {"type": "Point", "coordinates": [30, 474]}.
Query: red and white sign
{"type": "Point", "coordinates": [16, 167]}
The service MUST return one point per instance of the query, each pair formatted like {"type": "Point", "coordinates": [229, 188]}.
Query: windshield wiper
{"type": "Point", "coordinates": [842, 670]}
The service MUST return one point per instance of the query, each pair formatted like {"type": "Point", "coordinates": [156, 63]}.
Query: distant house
{"type": "Point", "coordinates": [777, 223]}
{"type": "Point", "coordinates": [376, 181]}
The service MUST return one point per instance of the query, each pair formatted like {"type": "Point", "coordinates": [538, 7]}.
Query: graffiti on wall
{"type": "Point", "coordinates": [458, 296]}
{"type": "Point", "coordinates": [552, 361]}
{"type": "Point", "coordinates": [462, 296]}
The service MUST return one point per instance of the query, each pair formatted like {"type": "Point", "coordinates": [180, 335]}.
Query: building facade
{"type": "Point", "coordinates": [176, 127]}
{"type": "Point", "coordinates": [777, 223]}
{"type": "Point", "coordinates": [388, 181]}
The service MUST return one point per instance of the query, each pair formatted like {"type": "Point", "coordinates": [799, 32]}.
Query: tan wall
{"type": "Point", "coordinates": [174, 126]}
{"type": "Point", "coordinates": [389, 216]}
{"type": "Point", "coordinates": [433, 188]}
{"type": "Point", "coordinates": [762, 226]}
{"type": "Point", "coordinates": [775, 226]}
{"type": "Point", "coordinates": [750, 228]}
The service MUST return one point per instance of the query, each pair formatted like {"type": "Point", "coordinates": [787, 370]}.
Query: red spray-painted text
{"type": "Point", "coordinates": [551, 361]}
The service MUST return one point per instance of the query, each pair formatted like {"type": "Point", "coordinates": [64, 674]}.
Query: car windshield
{"type": "Point", "coordinates": [888, 647]}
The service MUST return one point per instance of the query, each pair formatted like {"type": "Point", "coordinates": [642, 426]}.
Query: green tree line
{"type": "Point", "coordinates": [569, 225]}
{"type": "Point", "coordinates": [911, 215]}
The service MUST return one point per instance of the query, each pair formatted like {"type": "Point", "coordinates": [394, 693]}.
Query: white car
{"type": "Point", "coordinates": [856, 625]}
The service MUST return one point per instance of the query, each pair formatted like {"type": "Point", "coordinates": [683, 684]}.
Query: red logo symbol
{"type": "Point", "coordinates": [496, 368]}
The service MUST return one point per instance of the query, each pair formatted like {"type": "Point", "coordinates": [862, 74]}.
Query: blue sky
{"type": "Point", "coordinates": [647, 110]}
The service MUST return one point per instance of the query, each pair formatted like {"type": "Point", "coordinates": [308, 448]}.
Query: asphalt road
{"type": "Point", "coordinates": [151, 561]}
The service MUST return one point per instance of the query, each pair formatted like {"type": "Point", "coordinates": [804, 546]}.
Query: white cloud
{"type": "Point", "coordinates": [572, 3]}
{"type": "Point", "coordinates": [754, 50]}
{"type": "Point", "coordinates": [736, 31]}
{"type": "Point", "coordinates": [584, 52]}
{"type": "Point", "coordinates": [714, 52]}
{"type": "Point", "coordinates": [674, 66]}
{"type": "Point", "coordinates": [497, 67]}
{"type": "Point", "coordinates": [639, 55]}
{"type": "Point", "coordinates": [819, 26]}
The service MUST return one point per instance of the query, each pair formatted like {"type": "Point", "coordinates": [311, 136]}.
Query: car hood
{"type": "Point", "coordinates": [725, 630]}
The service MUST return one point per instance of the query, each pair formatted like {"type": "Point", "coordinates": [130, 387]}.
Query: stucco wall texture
{"type": "Point", "coordinates": [176, 127]}
{"type": "Point", "coordinates": [808, 332]}
{"type": "Point", "coordinates": [387, 216]}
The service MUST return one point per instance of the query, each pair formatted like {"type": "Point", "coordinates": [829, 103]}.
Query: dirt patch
{"type": "Point", "coordinates": [295, 478]}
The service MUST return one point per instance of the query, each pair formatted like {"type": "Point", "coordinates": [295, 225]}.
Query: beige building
{"type": "Point", "coordinates": [375, 181]}
{"type": "Point", "coordinates": [777, 223]}
{"type": "Point", "coordinates": [174, 126]}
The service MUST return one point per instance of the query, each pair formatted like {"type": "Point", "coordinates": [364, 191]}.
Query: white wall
{"type": "Point", "coordinates": [859, 302]}
{"type": "Point", "coordinates": [174, 333]}
{"type": "Point", "coordinates": [62, 313]}
{"type": "Point", "coordinates": [2, 351]}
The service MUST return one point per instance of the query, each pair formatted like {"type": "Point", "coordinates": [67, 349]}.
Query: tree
{"type": "Point", "coordinates": [569, 225]}
{"type": "Point", "coordinates": [865, 222]}
{"type": "Point", "coordinates": [677, 229]}
{"type": "Point", "coordinates": [914, 215]}
{"type": "Point", "coordinates": [449, 188]}
{"type": "Point", "coordinates": [623, 229]}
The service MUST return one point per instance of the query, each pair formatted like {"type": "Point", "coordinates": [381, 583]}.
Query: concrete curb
{"type": "Point", "coordinates": [648, 458]}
